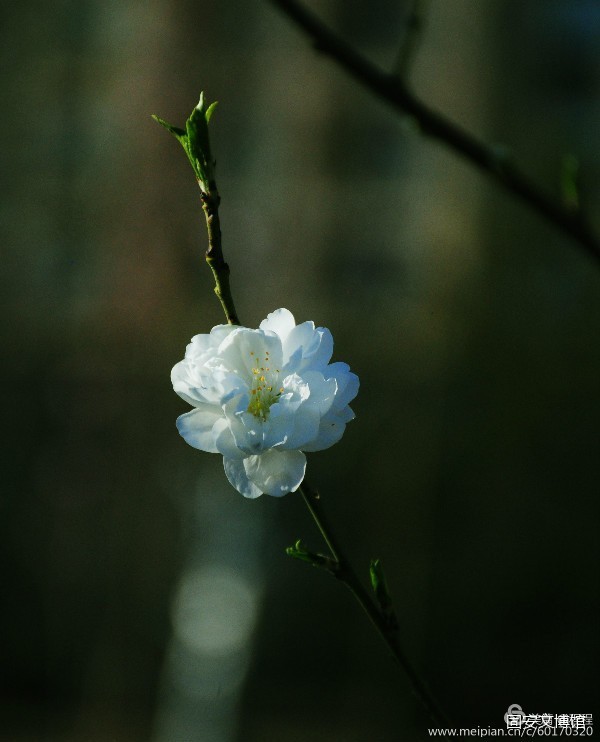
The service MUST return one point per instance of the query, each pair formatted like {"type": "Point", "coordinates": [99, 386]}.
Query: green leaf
{"type": "Point", "coordinates": [209, 111]}
{"type": "Point", "coordinates": [568, 181]}
{"type": "Point", "coordinates": [382, 592]}
{"type": "Point", "coordinates": [299, 551]}
{"type": "Point", "coordinates": [195, 141]}
{"type": "Point", "coordinates": [179, 134]}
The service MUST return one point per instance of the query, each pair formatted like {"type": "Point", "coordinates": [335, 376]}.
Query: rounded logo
{"type": "Point", "coordinates": [513, 710]}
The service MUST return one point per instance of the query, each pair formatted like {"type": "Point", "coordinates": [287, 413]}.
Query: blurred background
{"type": "Point", "coordinates": [142, 597]}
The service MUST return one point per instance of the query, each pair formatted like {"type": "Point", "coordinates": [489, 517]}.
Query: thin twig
{"type": "Point", "coordinates": [410, 42]}
{"type": "Point", "coordinates": [214, 254]}
{"type": "Point", "coordinates": [489, 159]}
{"type": "Point", "coordinates": [195, 141]}
{"type": "Point", "coordinates": [387, 630]}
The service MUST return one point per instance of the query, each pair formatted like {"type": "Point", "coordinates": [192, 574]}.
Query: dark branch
{"type": "Point", "coordinates": [490, 160]}
{"type": "Point", "coordinates": [412, 36]}
{"type": "Point", "coordinates": [387, 629]}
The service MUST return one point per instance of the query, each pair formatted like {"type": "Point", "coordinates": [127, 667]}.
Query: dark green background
{"type": "Point", "coordinates": [472, 467]}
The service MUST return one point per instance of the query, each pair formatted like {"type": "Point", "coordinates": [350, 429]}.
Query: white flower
{"type": "Point", "coordinates": [263, 397]}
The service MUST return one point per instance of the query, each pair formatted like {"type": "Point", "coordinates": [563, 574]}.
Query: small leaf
{"type": "Point", "coordinates": [199, 144]}
{"type": "Point", "coordinates": [568, 181]}
{"type": "Point", "coordinates": [299, 551]}
{"type": "Point", "coordinates": [209, 111]}
{"type": "Point", "coordinates": [175, 131]}
{"type": "Point", "coordinates": [382, 592]}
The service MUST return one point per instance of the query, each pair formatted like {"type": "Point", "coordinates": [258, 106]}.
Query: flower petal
{"type": "Point", "coordinates": [248, 431]}
{"type": "Point", "coordinates": [183, 383]}
{"type": "Point", "coordinates": [236, 474]}
{"type": "Point", "coordinates": [307, 347]}
{"type": "Point", "coordinates": [224, 440]}
{"type": "Point", "coordinates": [306, 427]}
{"type": "Point", "coordinates": [196, 427]}
{"type": "Point", "coordinates": [330, 432]}
{"type": "Point", "coordinates": [347, 382]}
{"type": "Point", "coordinates": [193, 378]}
{"type": "Point", "coordinates": [244, 350]}
{"type": "Point", "coordinates": [322, 391]}
{"type": "Point", "coordinates": [276, 472]}
{"type": "Point", "coordinates": [323, 354]}
{"type": "Point", "coordinates": [278, 426]}
{"type": "Point", "coordinates": [202, 343]}
{"type": "Point", "coordinates": [281, 322]}
{"type": "Point", "coordinates": [300, 341]}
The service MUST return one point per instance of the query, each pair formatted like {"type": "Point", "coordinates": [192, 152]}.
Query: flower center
{"type": "Point", "coordinates": [264, 391]}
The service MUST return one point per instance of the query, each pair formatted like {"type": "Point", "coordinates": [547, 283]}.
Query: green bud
{"type": "Point", "coordinates": [299, 551]}
{"type": "Point", "coordinates": [195, 141]}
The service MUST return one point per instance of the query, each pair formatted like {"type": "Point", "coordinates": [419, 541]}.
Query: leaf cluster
{"type": "Point", "coordinates": [195, 141]}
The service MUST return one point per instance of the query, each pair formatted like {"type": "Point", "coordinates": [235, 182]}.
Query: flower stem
{"type": "Point", "coordinates": [387, 630]}
{"type": "Point", "coordinates": [214, 254]}
{"type": "Point", "coordinates": [195, 141]}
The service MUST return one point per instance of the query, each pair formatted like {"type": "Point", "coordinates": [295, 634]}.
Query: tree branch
{"type": "Point", "coordinates": [412, 36]}
{"type": "Point", "coordinates": [489, 159]}
{"type": "Point", "coordinates": [388, 630]}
